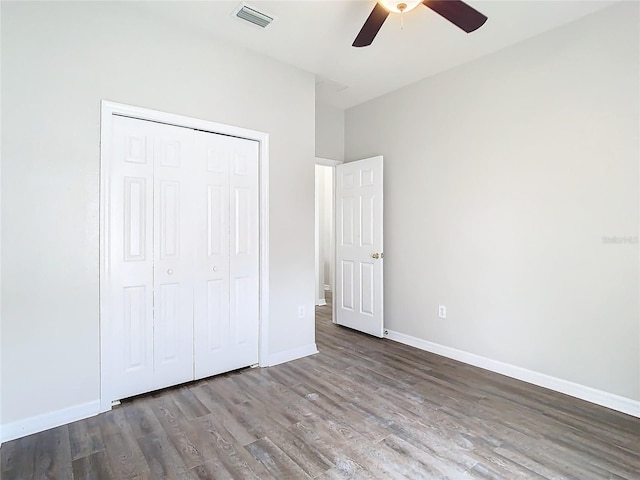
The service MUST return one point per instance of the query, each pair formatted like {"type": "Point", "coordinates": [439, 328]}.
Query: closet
{"type": "Point", "coordinates": [182, 255]}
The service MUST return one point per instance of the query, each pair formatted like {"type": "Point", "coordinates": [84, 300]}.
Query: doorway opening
{"type": "Point", "coordinates": [355, 245]}
{"type": "Point", "coordinates": [325, 236]}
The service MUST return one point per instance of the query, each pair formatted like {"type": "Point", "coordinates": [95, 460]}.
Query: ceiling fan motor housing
{"type": "Point", "coordinates": [399, 7]}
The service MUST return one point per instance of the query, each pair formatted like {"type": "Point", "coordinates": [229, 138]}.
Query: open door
{"type": "Point", "coordinates": [359, 254]}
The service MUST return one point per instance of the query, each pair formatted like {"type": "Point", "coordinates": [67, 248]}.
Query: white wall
{"type": "Point", "coordinates": [329, 145]}
{"type": "Point", "coordinates": [502, 177]}
{"type": "Point", "coordinates": [329, 132]}
{"type": "Point", "coordinates": [58, 61]}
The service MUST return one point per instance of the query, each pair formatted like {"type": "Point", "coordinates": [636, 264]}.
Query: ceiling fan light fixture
{"type": "Point", "coordinates": [396, 6]}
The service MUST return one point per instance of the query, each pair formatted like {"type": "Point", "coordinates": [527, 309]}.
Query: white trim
{"type": "Point", "coordinates": [108, 109]}
{"type": "Point", "coordinates": [599, 397]}
{"type": "Point", "coordinates": [263, 350]}
{"type": "Point", "coordinates": [293, 354]}
{"type": "Point", "coordinates": [105, 154]}
{"type": "Point", "coordinates": [327, 162]}
{"type": "Point", "coordinates": [317, 243]}
{"type": "Point", "coordinates": [1, 387]}
{"type": "Point", "coordinates": [334, 293]}
{"type": "Point", "coordinates": [39, 423]}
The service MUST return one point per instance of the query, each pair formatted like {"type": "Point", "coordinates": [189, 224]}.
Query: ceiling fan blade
{"type": "Point", "coordinates": [371, 27]}
{"type": "Point", "coordinates": [457, 12]}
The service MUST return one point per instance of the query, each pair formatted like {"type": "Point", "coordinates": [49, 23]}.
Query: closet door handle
{"type": "Point", "coordinates": [169, 272]}
{"type": "Point", "coordinates": [215, 269]}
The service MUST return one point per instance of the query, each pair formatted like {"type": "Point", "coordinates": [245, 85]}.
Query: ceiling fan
{"type": "Point", "coordinates": [456, 11]}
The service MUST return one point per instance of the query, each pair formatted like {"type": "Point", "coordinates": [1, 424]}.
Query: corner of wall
{"type": "Point", "coordinates": [289, 355]}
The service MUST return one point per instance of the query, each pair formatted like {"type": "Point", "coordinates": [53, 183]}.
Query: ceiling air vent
{"type": "Point", "coordinates": [250, 14]}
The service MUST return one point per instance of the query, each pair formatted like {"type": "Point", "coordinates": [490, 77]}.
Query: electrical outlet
{"type": "Point", "coordinates": [442, 311]}
{"type": "Point", "coordinates": [301, 311]}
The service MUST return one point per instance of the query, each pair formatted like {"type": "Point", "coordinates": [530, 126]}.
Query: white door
{"type": "Point", "coordinates": [182, 256]}
{"type": "Point", "coordinates": [227, 254]}
{"type": "Point", "coordinates": [173, 252]}
{"type": "Point", "coordinates": [359, 248]}
{"type": "Point", "coordinates": [129, 263]}
{"type": "Point", "coordinates": [150, 256]}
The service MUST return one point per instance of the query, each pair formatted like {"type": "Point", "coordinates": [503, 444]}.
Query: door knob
{"type": "Point", "coordinates": [169, 272]}
{"type": "Point", "coordinates": [215, 269]}
{"type": "Point", "coordinates": [375, 255]}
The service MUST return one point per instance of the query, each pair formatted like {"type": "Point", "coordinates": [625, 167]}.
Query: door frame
{"type": "Point", "coordinates": [108, 110]}
{"type": "Point", "coordinates": [324, 162]}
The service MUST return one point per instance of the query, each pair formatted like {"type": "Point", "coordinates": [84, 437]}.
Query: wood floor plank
{"type": "Point", "coordinates": [162, 458]}
{"type": "Point", "coordinates": [276, 398]}
{"type": "Point", "coordinates": [141, 418]}
{"type": "Point", "coordinates": [227, 421]}
{"type": "Point", "coordinates": [251, 416]}
{"type": "Point", "coordinates": [340, 410]}
{"type": "Point", "coordinates": [269, 392]}
{"type": "Point", "coordinates": [426, 463]}
{"type": "Point", "coordinates": [223, 390]}
{"type": "Point", "coordinates": [282, 375]}
{"type": "Point", "coordinates": [92, 467]}
{"type": "Point", "coordinates": [211, 470]}
{"type": "Point", "coordinates": [123, 451]}
{"type": "Point", "coordinates": [53, 454]}
{"type": "Point", "coordinates": [178, 430]}
{"type": "Point", "coordinates": [126, 458]}
{"type": "Point", "coordinates": [278, 463]}
{"type": "Point", "coordinates": [8, 452]}
{"type": "Point", "coordinates": [362, 408]}
{"type": "Point", "coordinates": [312, 460]}
{"type": "Point", "coordinates": [346, 469]}
{"type": "Point", "coordinates": [353, 447]}
{"type": "Point", "coordinates": [229, 454]}
{"type": "Point", "coordinates": [21, 458]}
{"type": "Point", "coordinates": [190, 406]}
{"type": "Point", "coordinates": [85, 438]}
{"type": "Point", "coordinates": [331, 441]}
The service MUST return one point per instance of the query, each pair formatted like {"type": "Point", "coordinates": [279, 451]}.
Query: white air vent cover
{"type": "Point", "coordinates": [250, 14]}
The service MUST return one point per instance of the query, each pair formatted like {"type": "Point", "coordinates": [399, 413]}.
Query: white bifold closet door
{"type": "Point", "coordinates": [183, 255]}
{"type": "Point", "coordinates": [226, 273]}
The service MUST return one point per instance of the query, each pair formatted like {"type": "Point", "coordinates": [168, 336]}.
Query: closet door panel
{"type": "Point", "coordinates": [173, 255]}
{"type": "Point", "coordinates": [129, 263]}
{"type": "Point", "coordinates": [226, 329]}
{"type": "Point", "coordinates": [211, 302]}
{"type": "Point", "coordinates": [244, 252]}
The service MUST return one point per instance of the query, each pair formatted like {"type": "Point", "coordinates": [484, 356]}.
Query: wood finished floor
{"type": "Point", "coordinates": [361, 408]}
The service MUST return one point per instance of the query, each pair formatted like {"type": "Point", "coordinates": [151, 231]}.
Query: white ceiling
{"type": "Point", "coordinates": [316, 36]}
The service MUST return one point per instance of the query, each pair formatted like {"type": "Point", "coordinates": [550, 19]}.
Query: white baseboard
{"type": "Point", "coordinates": [287, 356]}
{"type": "Point", "coordinates": [599, 397]}
{"type": "Point", "coordinates": [39, 423]}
